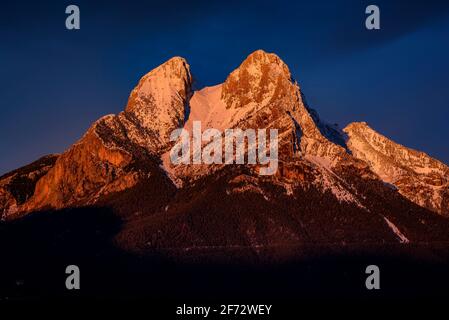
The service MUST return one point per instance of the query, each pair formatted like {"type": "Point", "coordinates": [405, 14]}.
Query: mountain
{"type": "Point", "coordinates": [120, 150]}
{"type": "Point", "coordinates": [332, 186]}
{"type": "Point", "coordinates": [17, 186]}
{"type": "Point", "coordinates": [418, 177]}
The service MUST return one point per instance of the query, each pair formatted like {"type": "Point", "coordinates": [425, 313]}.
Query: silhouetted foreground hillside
{"type": "Point", "coordinates": [36, 249]}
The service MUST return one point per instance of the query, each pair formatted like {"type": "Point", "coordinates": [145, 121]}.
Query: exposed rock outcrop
{"type": "Point", "coordinates": [417, 176]}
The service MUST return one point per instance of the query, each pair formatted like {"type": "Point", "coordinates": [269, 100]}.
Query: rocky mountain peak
{"type": "Point", "coordinates": [359, 127]}
{"type": "Point", "coordinates": [159, 102]}
{"type": "Point", "coordinates": [120, 152]}
{"type": "Point", "coordinates": [259, 78]}
{"type": "Point", "coordinates": [261, 93]}
{"type": "Point", "coordinates": [365, 140]}
{"type": "Point", "coordinates": [263, 62]}
{"type": "Point", "coordinates": [415, 174]}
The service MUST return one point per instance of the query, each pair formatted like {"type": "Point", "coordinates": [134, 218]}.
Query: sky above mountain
{"type": "Point", "coordinates": [54, 83]}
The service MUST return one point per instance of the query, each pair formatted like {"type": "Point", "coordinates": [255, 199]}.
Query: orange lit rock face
{"type": "Point", "coordinates": [105, 159]}
{"type": "Point", "coordinates": [159, 102]}
{"type": "Point", "coordinates": [260, 78]}
{"type": "Point", "coordinates": [17, 187]}
{"type": "Point", "coordinates": [79, 174]}
{"type": "Point", "coordinates": [263, 87]}
{"type": "Point", "coordinates": [418, 177]}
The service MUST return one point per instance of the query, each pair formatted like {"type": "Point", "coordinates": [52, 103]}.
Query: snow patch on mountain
{"type": "Point", "coordinates": [395, 229]}
{"type": "Point", "coordinates": [328, 180]}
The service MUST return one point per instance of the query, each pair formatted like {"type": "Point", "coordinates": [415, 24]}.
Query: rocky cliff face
{"type": "Point", "coordinates": [18, 186]}
{"type": "Point", "coordinates": [118, 150]}
{"type": "Point", "coordinates": [261, 94]}
{"type": "Point", "coordinates": [160, 103]}
{"type": "Point", "coordinates": [418, 177]}
{"type": "Point", "coordinates": [331, 185]}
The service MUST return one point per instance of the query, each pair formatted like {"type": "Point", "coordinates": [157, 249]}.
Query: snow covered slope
{"type": "Point", "coordinates": [417, 176]}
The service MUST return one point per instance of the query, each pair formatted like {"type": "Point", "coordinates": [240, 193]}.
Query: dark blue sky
{"type": "Point", "coordinates": [54, 83]}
